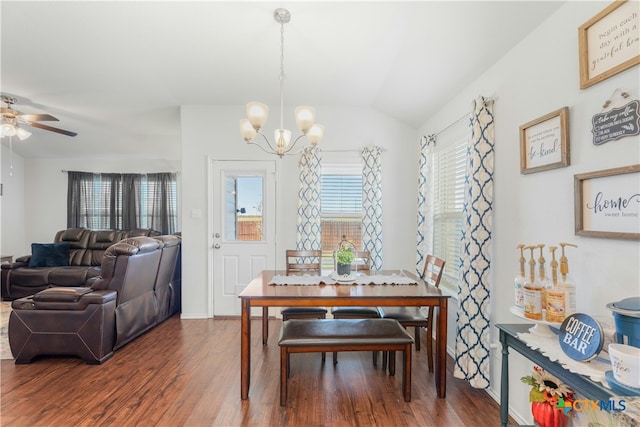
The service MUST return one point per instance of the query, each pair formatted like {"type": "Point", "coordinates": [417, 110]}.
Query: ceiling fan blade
{"type": "Point", "coordinates": [37, 118]}
{"type": "Point", "coordinates": [52, 129]}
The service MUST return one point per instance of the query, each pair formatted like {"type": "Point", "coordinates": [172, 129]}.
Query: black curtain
{"type": "Point", "coordinates": [78, 198]}
{"type": "Point", "coordinates": [160, 199]}
{"type": "Point", "coordinates": [122, 201]}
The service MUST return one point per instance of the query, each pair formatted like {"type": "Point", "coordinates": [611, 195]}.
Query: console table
{"type": "Point", "coordinates": [579, 383]}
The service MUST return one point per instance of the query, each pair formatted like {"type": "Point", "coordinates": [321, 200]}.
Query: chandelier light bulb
{"type": "Point", "coordinates": [315, 134]}
{"type": "Point", "coordinates": [283, 137]}
{"type": "Point", "coordinates": [247, 130]}
{"type": "Point", "coordinates": [257, 114]}
{"type": "Point", "coordinates": [305, 117]}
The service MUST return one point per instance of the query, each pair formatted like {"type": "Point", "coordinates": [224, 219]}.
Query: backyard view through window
{"type": "Point", "coordinates": [341, 208]}
{"type": "Point", "coordinates": [243, 208]}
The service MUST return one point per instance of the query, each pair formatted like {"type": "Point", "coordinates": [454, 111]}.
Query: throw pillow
{"type": "Point", "coordinates": [49, 254]}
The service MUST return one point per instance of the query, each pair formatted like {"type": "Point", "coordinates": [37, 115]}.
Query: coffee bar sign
{"type": "Point", "coordinates": [581, 337]}
{"type": "Point", "coordinates": [616, 123]}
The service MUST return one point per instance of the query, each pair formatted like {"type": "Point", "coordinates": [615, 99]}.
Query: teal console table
{"type": "Point", "coordinates": [509, 338]}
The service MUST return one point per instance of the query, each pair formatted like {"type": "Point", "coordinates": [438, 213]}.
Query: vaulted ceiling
{"type": "Point", "coordinates": [116, 72]}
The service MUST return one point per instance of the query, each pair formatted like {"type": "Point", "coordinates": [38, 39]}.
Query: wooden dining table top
{"type": "Point", "coordinates": [342, 293]}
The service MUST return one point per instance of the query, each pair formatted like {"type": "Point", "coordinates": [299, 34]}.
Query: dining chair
{"type": "Point", "coordinates": [362, 262]}
{"type": "Point", "coordinates": [414, 316]}
{"type": "Point", "coordinates": [304, 262]}
{"type": "Point", "coordinates": [310, 264]}
{"type": "Point", "coordinates": [311, 261]}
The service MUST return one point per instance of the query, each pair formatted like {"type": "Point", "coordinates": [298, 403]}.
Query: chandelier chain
{"type": "Point", "coordinates": [282, 76]}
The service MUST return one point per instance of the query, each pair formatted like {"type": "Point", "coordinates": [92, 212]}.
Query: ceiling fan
{"type": "Point", "coordinates": [11, 120]}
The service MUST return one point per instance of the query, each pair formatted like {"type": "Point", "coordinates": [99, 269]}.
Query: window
{"type": "Point", "coordinates": [341, 208]}
{"type": "Point", "coordinates": [122, 201]}
{"type": "Point", "coordinates": [243, 208]}
{"type": "Point", "coordinates": [449, 167]}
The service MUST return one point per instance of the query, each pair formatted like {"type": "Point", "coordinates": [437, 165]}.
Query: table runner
{"type": "Point", "coordinates": [549, 346]}
{"type": "Point", "coordinates": [393, 279]}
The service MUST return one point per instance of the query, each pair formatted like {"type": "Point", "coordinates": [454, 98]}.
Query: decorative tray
{"type": "Point", "coordinates": [343, 278]}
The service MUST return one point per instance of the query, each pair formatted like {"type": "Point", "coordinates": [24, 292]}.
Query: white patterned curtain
{"type": "Point", "coordinates": [308, 235]}
{"type": "Point", "coordinates": [472, 338]}
{"type": "Point", "coordinates": [424, 244]}
{"type": "Point", "coordinates": [372, 204]}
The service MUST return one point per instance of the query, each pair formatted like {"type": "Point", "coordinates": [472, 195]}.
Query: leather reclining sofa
{"type": "Point", "coordinates": [86, 248]}
{"type": "Point", "coordinates": [139, 286]}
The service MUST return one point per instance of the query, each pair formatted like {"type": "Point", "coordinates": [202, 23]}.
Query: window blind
{"type": "Point", "coordinates": [341, 207]}
{"type": "Point", "coordinates": [449, 167]}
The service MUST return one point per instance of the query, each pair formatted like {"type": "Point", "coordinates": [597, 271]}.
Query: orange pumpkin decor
{"type": "Point", "coordinates": [548, 397]}
{"type": "Point", "coordinates": [548, 416]}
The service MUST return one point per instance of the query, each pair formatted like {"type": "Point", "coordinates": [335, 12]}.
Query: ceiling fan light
{"type": "Point", "coordinates": [257, 114]}
{"type": "Point", "coordinates": [305, 117]}
{"type": "Point", "coordinates": [8, 129]}
{"type": "Point", "coordinates": [247, 130]}
{"type": "Point", "coordinates": [315, 134]}
{"type": "Point", "coordinates": [22, 134]}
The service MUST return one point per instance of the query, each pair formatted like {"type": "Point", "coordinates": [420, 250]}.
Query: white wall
{"type": "Point", "coordinates": [13, 225]}
{"type": "Point", "coordinates": [538, 76]}
{"type": "Point", "coordinates": [212, 132]}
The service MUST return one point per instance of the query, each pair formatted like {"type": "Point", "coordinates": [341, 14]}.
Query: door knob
{"type": "Point", "coordinates": [216, 246]}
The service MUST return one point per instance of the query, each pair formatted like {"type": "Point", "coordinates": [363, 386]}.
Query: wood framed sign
{"type": "Point", "coordinates": [609, 42]}
{"type": "Point", "coordinates": [544, 142]}
{"type": "Point", "coordinates": [607, 203]}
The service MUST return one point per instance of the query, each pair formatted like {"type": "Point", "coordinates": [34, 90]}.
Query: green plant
{"type": "Point", "coordinates": [345, 256]}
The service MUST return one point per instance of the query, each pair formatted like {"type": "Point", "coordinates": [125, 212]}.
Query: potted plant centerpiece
{"type": "Point", "coordinates": [343, 256]}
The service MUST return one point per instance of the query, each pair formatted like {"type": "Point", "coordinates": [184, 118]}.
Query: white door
{"type": "Point", "coordinates": [243, 228]}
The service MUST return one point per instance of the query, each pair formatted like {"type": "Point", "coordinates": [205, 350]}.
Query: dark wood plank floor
{"type": "Point", "coordinates": [187, 373]}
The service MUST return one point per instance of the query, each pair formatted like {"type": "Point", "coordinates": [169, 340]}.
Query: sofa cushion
{"type": "Point", "coordinates": [72, 275]}
{"type": "Point", "coordinates": [49, 255]}
{"type": "Point", "coordinates": [72, 234]}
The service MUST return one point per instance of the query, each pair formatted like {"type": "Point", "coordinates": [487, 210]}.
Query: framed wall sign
{"type": "Point", "coordinates": [544, 142]}
{"type": "Point", "coordinates": [609, 42]}
{"type": "Point", "coordinates": [607, 203]}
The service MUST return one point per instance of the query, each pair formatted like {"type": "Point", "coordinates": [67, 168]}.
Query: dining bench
{"type": "Point", "coordinates": [331, 335]}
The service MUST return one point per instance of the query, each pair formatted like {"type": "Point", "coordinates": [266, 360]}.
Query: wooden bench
{"type": "Point", "coordinates": [330, 335]}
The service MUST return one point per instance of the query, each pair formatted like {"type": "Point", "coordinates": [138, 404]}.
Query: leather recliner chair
{"type": "Point", "coordinates": [91, 322]}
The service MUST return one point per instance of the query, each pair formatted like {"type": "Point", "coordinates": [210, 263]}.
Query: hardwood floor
{"type": "Point", "coordinates": [187, 373]}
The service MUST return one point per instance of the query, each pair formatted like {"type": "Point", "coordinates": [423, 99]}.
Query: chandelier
{"type": "Point", "coordinates": [257, 112]}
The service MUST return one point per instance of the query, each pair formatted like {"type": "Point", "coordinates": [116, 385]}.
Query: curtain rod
{"type": "Point", "coordinates": [66, 171]}
{"type": "Point", "coordinates": [350, 151]}
{"type": "Point", "coordinates": [458, 120]}
{"type": "Point", "coordinates": [465, 116]}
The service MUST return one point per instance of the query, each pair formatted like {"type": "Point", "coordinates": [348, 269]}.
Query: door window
{"type": "Point", "coordinates": [243, 208]}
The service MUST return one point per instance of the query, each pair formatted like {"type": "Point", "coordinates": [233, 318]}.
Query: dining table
{"type": "Point", "coordinates": [272, 288]}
